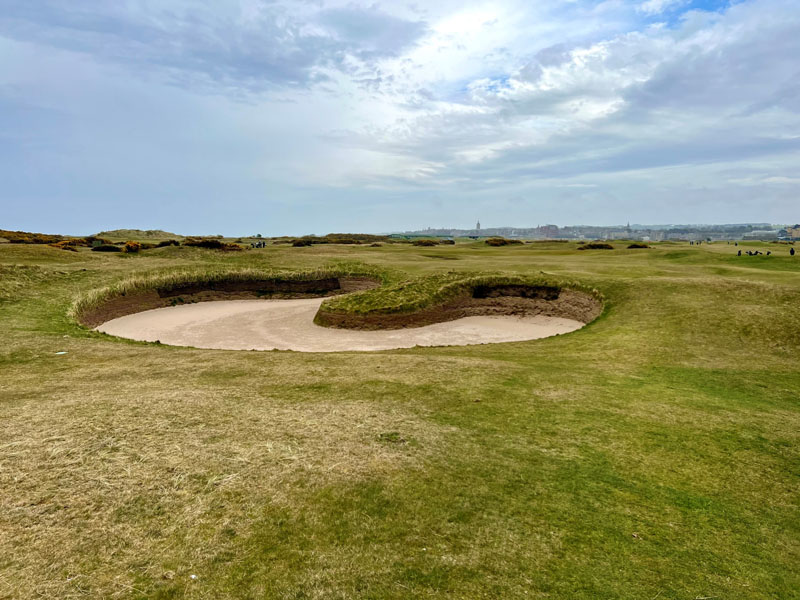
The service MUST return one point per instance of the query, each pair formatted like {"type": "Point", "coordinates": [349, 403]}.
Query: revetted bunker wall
{"type": "Point", "coordinates": [160, 297]}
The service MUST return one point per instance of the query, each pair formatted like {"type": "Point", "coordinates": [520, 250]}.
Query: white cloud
{"type": "Point", "coordinates": [656, 7]}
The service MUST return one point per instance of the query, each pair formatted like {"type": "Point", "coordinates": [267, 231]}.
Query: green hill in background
{"type": "Point", "coordinates": [138, 234]}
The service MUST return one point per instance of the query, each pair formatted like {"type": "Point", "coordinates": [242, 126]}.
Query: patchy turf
{"type": "Point", "coordinates": [651, 454]}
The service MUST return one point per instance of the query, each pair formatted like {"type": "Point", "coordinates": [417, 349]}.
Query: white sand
{"type": "Point", "coordinates": [289, 325]}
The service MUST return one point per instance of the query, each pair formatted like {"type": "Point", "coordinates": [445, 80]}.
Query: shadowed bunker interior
{"type": "Point", "coordinates": [653, 453]}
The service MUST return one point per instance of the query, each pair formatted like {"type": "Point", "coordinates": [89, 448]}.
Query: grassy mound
{"type": "Point", "coordinates": [424, 292]}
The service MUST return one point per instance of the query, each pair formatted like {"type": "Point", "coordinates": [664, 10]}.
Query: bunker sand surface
{"type": "Point", "coordinates": [289, 325]}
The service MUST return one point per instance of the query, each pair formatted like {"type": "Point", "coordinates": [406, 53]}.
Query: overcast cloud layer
{"type": "Point", "coordinates": [282, 117]}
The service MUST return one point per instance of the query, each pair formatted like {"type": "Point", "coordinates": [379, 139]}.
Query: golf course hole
{"type": "Point", "coordinates": [292, 316]}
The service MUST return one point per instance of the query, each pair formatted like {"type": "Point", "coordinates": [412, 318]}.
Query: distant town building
{"type": "Point", "coordinates": [548, 231]}
{"type": "Point", "coordinates": [733, 231]}
{"type": "Point", "coordinates": [762, 234]}
{"type": "Point", "coordinates": [793, 232]}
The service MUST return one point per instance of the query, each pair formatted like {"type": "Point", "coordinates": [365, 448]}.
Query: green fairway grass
{"type": "Point", "coordinates": [653, 454]}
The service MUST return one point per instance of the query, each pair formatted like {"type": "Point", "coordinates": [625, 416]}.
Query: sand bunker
{"type": "Point", "coordinates": [289, 325]}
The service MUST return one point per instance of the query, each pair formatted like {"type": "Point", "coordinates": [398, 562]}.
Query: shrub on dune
{"type": "Point", "coordinates": [596, 246]}
{"type": "Point", "coordinates": [498, 241]}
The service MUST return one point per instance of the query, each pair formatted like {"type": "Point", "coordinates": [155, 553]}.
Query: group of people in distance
{"type": "Point", "coordinates": [258, 245]}
{"type": "Point", "coordinates": [758, 252]}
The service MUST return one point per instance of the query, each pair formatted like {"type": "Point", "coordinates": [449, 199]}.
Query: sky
{"type": "Point", "coordinates": [290, 117]}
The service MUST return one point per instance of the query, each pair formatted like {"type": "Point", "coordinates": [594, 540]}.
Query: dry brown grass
{"type": "Point", "coordinates": [145, 464]}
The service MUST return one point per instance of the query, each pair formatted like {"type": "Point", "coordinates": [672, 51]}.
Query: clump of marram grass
{"type": "Point", "coordinates": [423, 292]}
{"type": "Point", "coordinates": [174, 278]}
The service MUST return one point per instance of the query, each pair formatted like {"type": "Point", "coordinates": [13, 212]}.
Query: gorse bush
{"type": "Point", "coordinates": [635, 245]}
{"type": "Point", "coordinates": [596, 246]}
{"type": "Point", "coordinates": [106, 248]}
{"type": "Point", "coordinates": [334, 238]}
{"type": "Point", "coordinates": [498, 241]}
{"type": "Point", "coordinates": [166, 243]}
{"type": "Point", "coordinates": [25, 237]}
{"type": "Point", "coordinates": [73, 243]}
{"type": "Point", "coordinates": [425, 243]}
{"type": "Point", "coordinates": [209, 243]}
{"type": "Point", "coordinates": [65, 245]}
{"type": "Point", "coordinates": [132, 247]}
{"type": "Point", "coordinates": [212, 244]}
{"type": "Point", "coordinates": [93, 240]}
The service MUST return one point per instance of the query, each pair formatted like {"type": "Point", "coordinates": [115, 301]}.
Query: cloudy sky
{"type": "Point", "coordinates": [312, 116]}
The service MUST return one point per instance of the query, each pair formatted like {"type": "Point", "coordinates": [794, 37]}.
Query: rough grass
{"type": "Point", "coordinates": [15, 278]}
{"type": "Point", "coordinates": [652, 454]}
